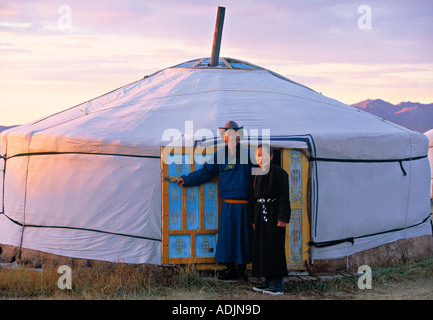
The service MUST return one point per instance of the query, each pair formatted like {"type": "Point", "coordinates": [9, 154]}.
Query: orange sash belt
{"type": "Point", "coordinates": [235, 201]}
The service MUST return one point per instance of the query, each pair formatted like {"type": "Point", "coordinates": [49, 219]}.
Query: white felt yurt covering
{"type": "Point", "coordinates": [429, 135]}
{"type": "Point", "coordinates": [86, 182]}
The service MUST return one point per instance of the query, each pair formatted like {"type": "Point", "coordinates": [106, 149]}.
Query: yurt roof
{"type": "Point", "coordinates": [133, 118]}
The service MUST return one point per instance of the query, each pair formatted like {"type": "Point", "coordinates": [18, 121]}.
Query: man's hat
{"type": "Point", "coordinates": [233, 126]}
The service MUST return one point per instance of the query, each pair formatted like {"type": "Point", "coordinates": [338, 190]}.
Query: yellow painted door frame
{"type": "Point", "coordinates": [190, 215]}
{"type": "Point", "coordinates": [296, 164]}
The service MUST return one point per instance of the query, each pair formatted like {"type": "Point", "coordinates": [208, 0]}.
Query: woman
{"type": "Point", "coordinates": [270, 212]}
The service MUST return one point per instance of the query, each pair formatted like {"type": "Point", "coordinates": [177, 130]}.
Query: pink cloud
{"type": "Point", "coordinates": [325, 31]}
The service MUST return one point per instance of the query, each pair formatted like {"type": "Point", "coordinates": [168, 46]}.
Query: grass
{"type": "Point", "coordinates": [103, 281]}
{"type": "Point", "coordinates": [117, 282]}
{"type": "Point", "coordinates": [406, 274]}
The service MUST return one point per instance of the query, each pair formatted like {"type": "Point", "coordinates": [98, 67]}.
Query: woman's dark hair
{"type": "Point", "coordinates": [266, 146]}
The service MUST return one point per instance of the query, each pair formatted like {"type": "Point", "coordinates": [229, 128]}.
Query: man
{"type": "Point", "coordinates": [233, 167]}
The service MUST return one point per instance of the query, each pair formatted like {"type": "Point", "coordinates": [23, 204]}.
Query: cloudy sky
{"type": "Point", "coordinates": [55, 54]}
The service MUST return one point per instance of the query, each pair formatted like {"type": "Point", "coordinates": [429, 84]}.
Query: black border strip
{"type": "Point", "coordinates": [400, 161]}
{"type": "Point", "coordinates": [323, 244]}
{"type": "Point", "coordinates": [78, 228]}
{"type": "Point", "coordinates": [366, 160]}
{"type": "Point", "coordinates": [85, 153]}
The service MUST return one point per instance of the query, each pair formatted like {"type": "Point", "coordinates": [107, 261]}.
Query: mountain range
{"type": "Point", "coordinates": [413, 115]}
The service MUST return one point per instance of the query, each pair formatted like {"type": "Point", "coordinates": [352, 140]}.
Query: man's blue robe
{"type": "Point", "coordinates": [234, 232]}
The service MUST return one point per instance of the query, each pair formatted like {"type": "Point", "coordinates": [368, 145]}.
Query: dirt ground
{"type": "Point", "coordinates": [411, 290]}
{"type": "Point", "coordinates": [418, 289]}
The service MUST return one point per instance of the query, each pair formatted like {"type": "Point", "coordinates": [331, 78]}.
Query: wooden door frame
{"type": "Point", "coordinates": [167, 232]}
{"type": "Point", "coordinates": [299, 207]}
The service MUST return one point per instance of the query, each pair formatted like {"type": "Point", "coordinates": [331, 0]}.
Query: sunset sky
{"type": "Point", "coordinates": [57, 54]}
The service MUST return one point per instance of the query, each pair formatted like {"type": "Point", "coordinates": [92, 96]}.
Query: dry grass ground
{"type": "Point", "coordinates": [408, 281]}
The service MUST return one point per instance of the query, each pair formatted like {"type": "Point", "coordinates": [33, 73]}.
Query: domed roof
{"type": "Point", "coordinates": [133, 119]}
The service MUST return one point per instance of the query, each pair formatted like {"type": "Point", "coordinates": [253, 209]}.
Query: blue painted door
{"type": "Point", "coordinates": [189, 214]}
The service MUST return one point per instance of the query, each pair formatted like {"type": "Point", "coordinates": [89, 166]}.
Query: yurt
{"type": "Point", "coordinates": [91, 183]}
{"type": "Point", "coordinates": [429, 135]}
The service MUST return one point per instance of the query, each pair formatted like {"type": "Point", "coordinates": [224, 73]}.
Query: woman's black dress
{"type": "Point", "coordinates": [269, 203]}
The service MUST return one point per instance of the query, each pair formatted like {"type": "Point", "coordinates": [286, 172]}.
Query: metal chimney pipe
{"type": "Point", "coordinates": [217, 37]}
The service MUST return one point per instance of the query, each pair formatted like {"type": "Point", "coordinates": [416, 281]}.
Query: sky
{"type": "Point", "coordinates": [55, 54]}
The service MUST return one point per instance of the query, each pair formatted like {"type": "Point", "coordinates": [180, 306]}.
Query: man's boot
{"type": "Point", "coordinates": [242, 272]}
{"type": "Point", "coordinates": [229, 274]}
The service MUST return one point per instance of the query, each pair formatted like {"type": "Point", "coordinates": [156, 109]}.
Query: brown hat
{"type": "Point", "coordinates": [231, 125]}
